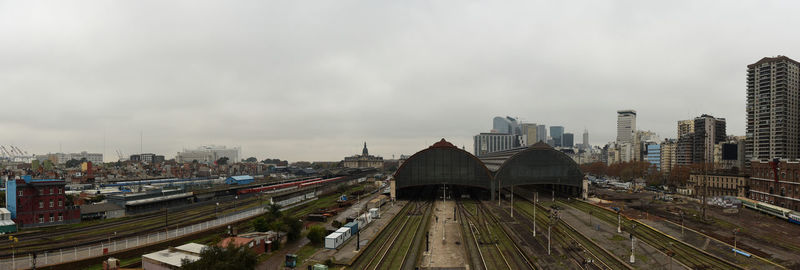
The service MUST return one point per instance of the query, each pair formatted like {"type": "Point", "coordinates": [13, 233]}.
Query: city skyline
{"type": "Point", "coordinates": [92, 78]}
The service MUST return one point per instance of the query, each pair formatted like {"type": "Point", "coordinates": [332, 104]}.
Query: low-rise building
{"type": "Point", "coordinates": [718, 184]}
{"type": "Point", "coordinates": [39, 202]}
{"type": "Point", "coordinates": [783, 191]}
{"type": "Point", "coordinates": [172, 258]}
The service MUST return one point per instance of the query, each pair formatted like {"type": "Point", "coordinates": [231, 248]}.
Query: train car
{"type": "Point", "coordinates": [774, 210]}
{"type": "Point", "coordinates": [318, 182]}
{"type": "Point", "coordinates": [794, 217]}
{"type": "Point", "coordinates": [752, 204]}
{"type": "Point", "coordinates": [289, 185]}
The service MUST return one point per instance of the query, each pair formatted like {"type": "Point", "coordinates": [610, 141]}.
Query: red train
{"type": "Point", "coordinates": [296, 184]}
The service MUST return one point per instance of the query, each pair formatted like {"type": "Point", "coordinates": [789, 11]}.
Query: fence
{"type": "Point", "coordinates": [92, 251]}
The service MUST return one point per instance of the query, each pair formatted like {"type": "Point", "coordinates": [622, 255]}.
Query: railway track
{"type": "Point", "coordinates": [495, 248]}
{"type": "Point", "coordinates": [683, 252]}
{"type": "Point", "coordinates": [576, 242]}
{"type": "Point", "coordinates": [392, 246]}
{"type": "Point", "coordinates": [53, 240]}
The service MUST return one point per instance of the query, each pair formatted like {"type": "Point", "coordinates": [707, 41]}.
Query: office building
{"type": "Point", "coordinates": [541, 133]}
{"type": "Point", "coordinates": [556, 132]}
{"type": "Point", "coordinates": [507, 125]}
{"type": "Point", "coordinates": [567, 140]}
{"type": "Point", "coordinates": [529, 134]}
{"type": "Point", "coordinates": [626, 126]}
{"type": "Point", "coordinates": [773, 109]}
{"type": "Point", "coordinates": [147, 158]}
{"type": "Point", "coordinates": [654, 155]}
{"type": "Point", "coordinates": [209, 154]}
{"type": "Point", "coordinates": [62, 158]}
{"type": "Point", "coordinates": [586, 139]}
{"type": "Point", "coordinates": [486, 143]}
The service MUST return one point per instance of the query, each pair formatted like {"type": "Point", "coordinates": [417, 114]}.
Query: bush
{"type": "Point", "coordinates": [316, 234]}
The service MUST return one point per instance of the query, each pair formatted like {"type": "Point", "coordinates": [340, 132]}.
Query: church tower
{"type": "Point", "coordinates": [365, 152]}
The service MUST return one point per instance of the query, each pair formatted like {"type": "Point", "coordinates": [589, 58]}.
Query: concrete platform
{"type": "Point", "coordinates": [447, 252]}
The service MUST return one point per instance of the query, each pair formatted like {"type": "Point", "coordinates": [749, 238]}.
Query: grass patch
{"type": "Point", "coordinates": [305, 252]}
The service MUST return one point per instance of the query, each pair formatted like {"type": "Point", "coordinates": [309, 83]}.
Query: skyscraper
{"type": "Point", "coordinates": [507, 125]}
{"type": "Point", "coordinates": [556, 133]}
{"type": "Point", "coordinates": [708, 132]}
{"type": "Point", "coordinates": [626, 126]}
{"type": "Point", "coordinates": [541, 133]}
{"type": "Point", "coordinates": [773, 109]}
{"type": "Point", "coordinates": [567, 140]}
{"type": "Point", "coordinates": [586, 139]}
{"type": "Point", "coordinates": [529, 133]}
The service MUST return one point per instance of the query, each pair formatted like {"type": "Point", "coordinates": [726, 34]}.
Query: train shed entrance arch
{"type": "Point", "coordinates": [539, 164]}
{"type": "Point", "coordinates": [443, 163]}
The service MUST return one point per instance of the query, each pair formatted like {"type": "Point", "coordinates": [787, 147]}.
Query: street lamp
{"type": "Point", "coordinates": [215, 210]}
{"type": "Point", "coordinates": [234, 202]}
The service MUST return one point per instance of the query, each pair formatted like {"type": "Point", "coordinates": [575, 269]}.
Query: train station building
{"type": "Point", "coordinates": [445, 164]}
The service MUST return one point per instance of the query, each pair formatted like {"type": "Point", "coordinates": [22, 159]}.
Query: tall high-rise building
{"type": "Point", "coordinates": [708, 132]}
{"type": "Point", "coordinates": [507, 125]}
{"type": "Point", "coordinates": [685, 127]}
{"type": "Point", "coordinates": [541, 133]}
{"type": "Point", "coordinates": [626, 126]}
{"type": "Point", "coordinates": [654, 154]}
{"type": "Point", "coordinates": [586, 139]}
{"type": "Point", "coordinates": [556, 132]}
{"type": "Point", "coordinates": [668, 149]}
{"type": "Point", "coordinates": [567, 140]}
{"type": "Point", "coordinates": [773, 109]}
{"type": "Point", "coordinates": [529, 133]}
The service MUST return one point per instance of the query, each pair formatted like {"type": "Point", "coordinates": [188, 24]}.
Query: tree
{"type": "Point", "coordinates": [294, 227]}
{"type": "Point", "coordinates": [217, 258]}
{"type": "Point", "coordinates": [251, 159]}
{"type": "Point", "coordinates": [316, 234]}
{"type": "Point", "coordinates": [222, 161]}
{"type": "Point", "coordinates": [260, 224]}
{"type": "Point", "coordinates": [72, 163]}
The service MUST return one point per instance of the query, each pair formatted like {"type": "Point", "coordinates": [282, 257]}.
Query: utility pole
{"type": "Point", "coordinates": [633, 243]}
{"type": "Point", "coordinates": [619, 222]}
{"type": "Point", "coordinates": [512, 201]}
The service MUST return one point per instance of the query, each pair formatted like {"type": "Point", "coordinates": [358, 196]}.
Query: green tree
{"type": "Point", "coordinates": [218, 258]}
{"type": "Point", "coordinates": [260, 224]}
{"type": "Point", "coordinates": [316, 234]}
{"type": "Point", "coordinates": [293, 226]}
{"type": "Point", "coordinates": [72, 163]}
{"type": "Point", "coordinates": [251, 159]}
{"type": "Point", "coordinates": [222, 161]}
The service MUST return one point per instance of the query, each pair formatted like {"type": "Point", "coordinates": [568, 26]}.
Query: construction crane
{"type": "Point", "coordinates": [5, 152]}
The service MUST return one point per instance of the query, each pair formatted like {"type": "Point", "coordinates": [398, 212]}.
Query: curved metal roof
{"type": "Point", "coordinates": [538, 164]}
{"type": "Point", "coordinates": [443, 163]}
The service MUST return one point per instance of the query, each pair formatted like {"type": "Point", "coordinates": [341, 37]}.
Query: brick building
{"type": "Point", "coordinates": [785, 192]}
{"type": "Point", "coordinates": [39, 202]}
{"type": "Point", "coordinates": [718, 184]}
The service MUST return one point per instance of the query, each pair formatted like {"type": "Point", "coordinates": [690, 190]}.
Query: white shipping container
{"type": "Point", "coordinates": [345, 233]}
{"type": "Point", "coordinates": [333, 240]}
{"type": "Point", "coordinates": [374, 213]}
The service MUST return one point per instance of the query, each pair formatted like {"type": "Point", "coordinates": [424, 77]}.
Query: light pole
{"type": "Point", "coordinates": [633, 243]}
{"type": "Point", "coordinates": [535, 199]}
{"type": "Point", "coordinates": [235, 198]}
{"type": "Point", "coordinates": [215, 210]}
{"type": "Point", "coordinates": [512, 201]}
{"type": "Point", "coordinates": [13, 240]}
{"type": "Point", "coordinates": [619, 221]}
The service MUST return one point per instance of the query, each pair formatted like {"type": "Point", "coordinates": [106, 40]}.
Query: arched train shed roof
{"type": "Point", "coordinates": [538, 164]}
{"type": "Point", "coordinates": [443, 163]}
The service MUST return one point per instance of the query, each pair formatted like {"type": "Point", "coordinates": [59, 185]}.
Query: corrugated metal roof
{"type": "Point", "coordinates": [241, 177]}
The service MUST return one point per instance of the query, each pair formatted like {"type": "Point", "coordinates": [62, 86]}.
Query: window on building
{"type": "Point", "coordinates": [60, 203]}
{"type": "Point", "coordinates": [51, 190]}
{"type": "Point", "coordinates": [41, 218]}
{"type": "Point", "coordinates": [51, 218]}
{"type": "Point", "coordinates": [51, 203]}
{"type": "Point", "coordinates": [60, 191]}
{"type": "Point", "coordinates": [41, 204]}
{"type": "Point", "coordinates": [60, 217]}
{"type": "Point", "coordinates": [41, 191]}
{"type": "Point", "coordinates": [20, 193]}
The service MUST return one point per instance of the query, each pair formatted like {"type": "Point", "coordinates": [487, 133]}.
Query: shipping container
{"type": "Point", "coordinates": [353, 227]}
{"type": "Point", "coordinates": [345, 233]}
{"type": "Point", "coordinates": [374, 213]}
{"type": "Point", "coordinates": [333, 240]}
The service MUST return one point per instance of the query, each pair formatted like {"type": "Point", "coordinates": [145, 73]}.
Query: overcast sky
{"type": "Point", "coordinates": [313, 80]}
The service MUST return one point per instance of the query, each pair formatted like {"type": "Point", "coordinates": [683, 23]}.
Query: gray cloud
{"type": "Point", "coordinates": [313, 80]}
